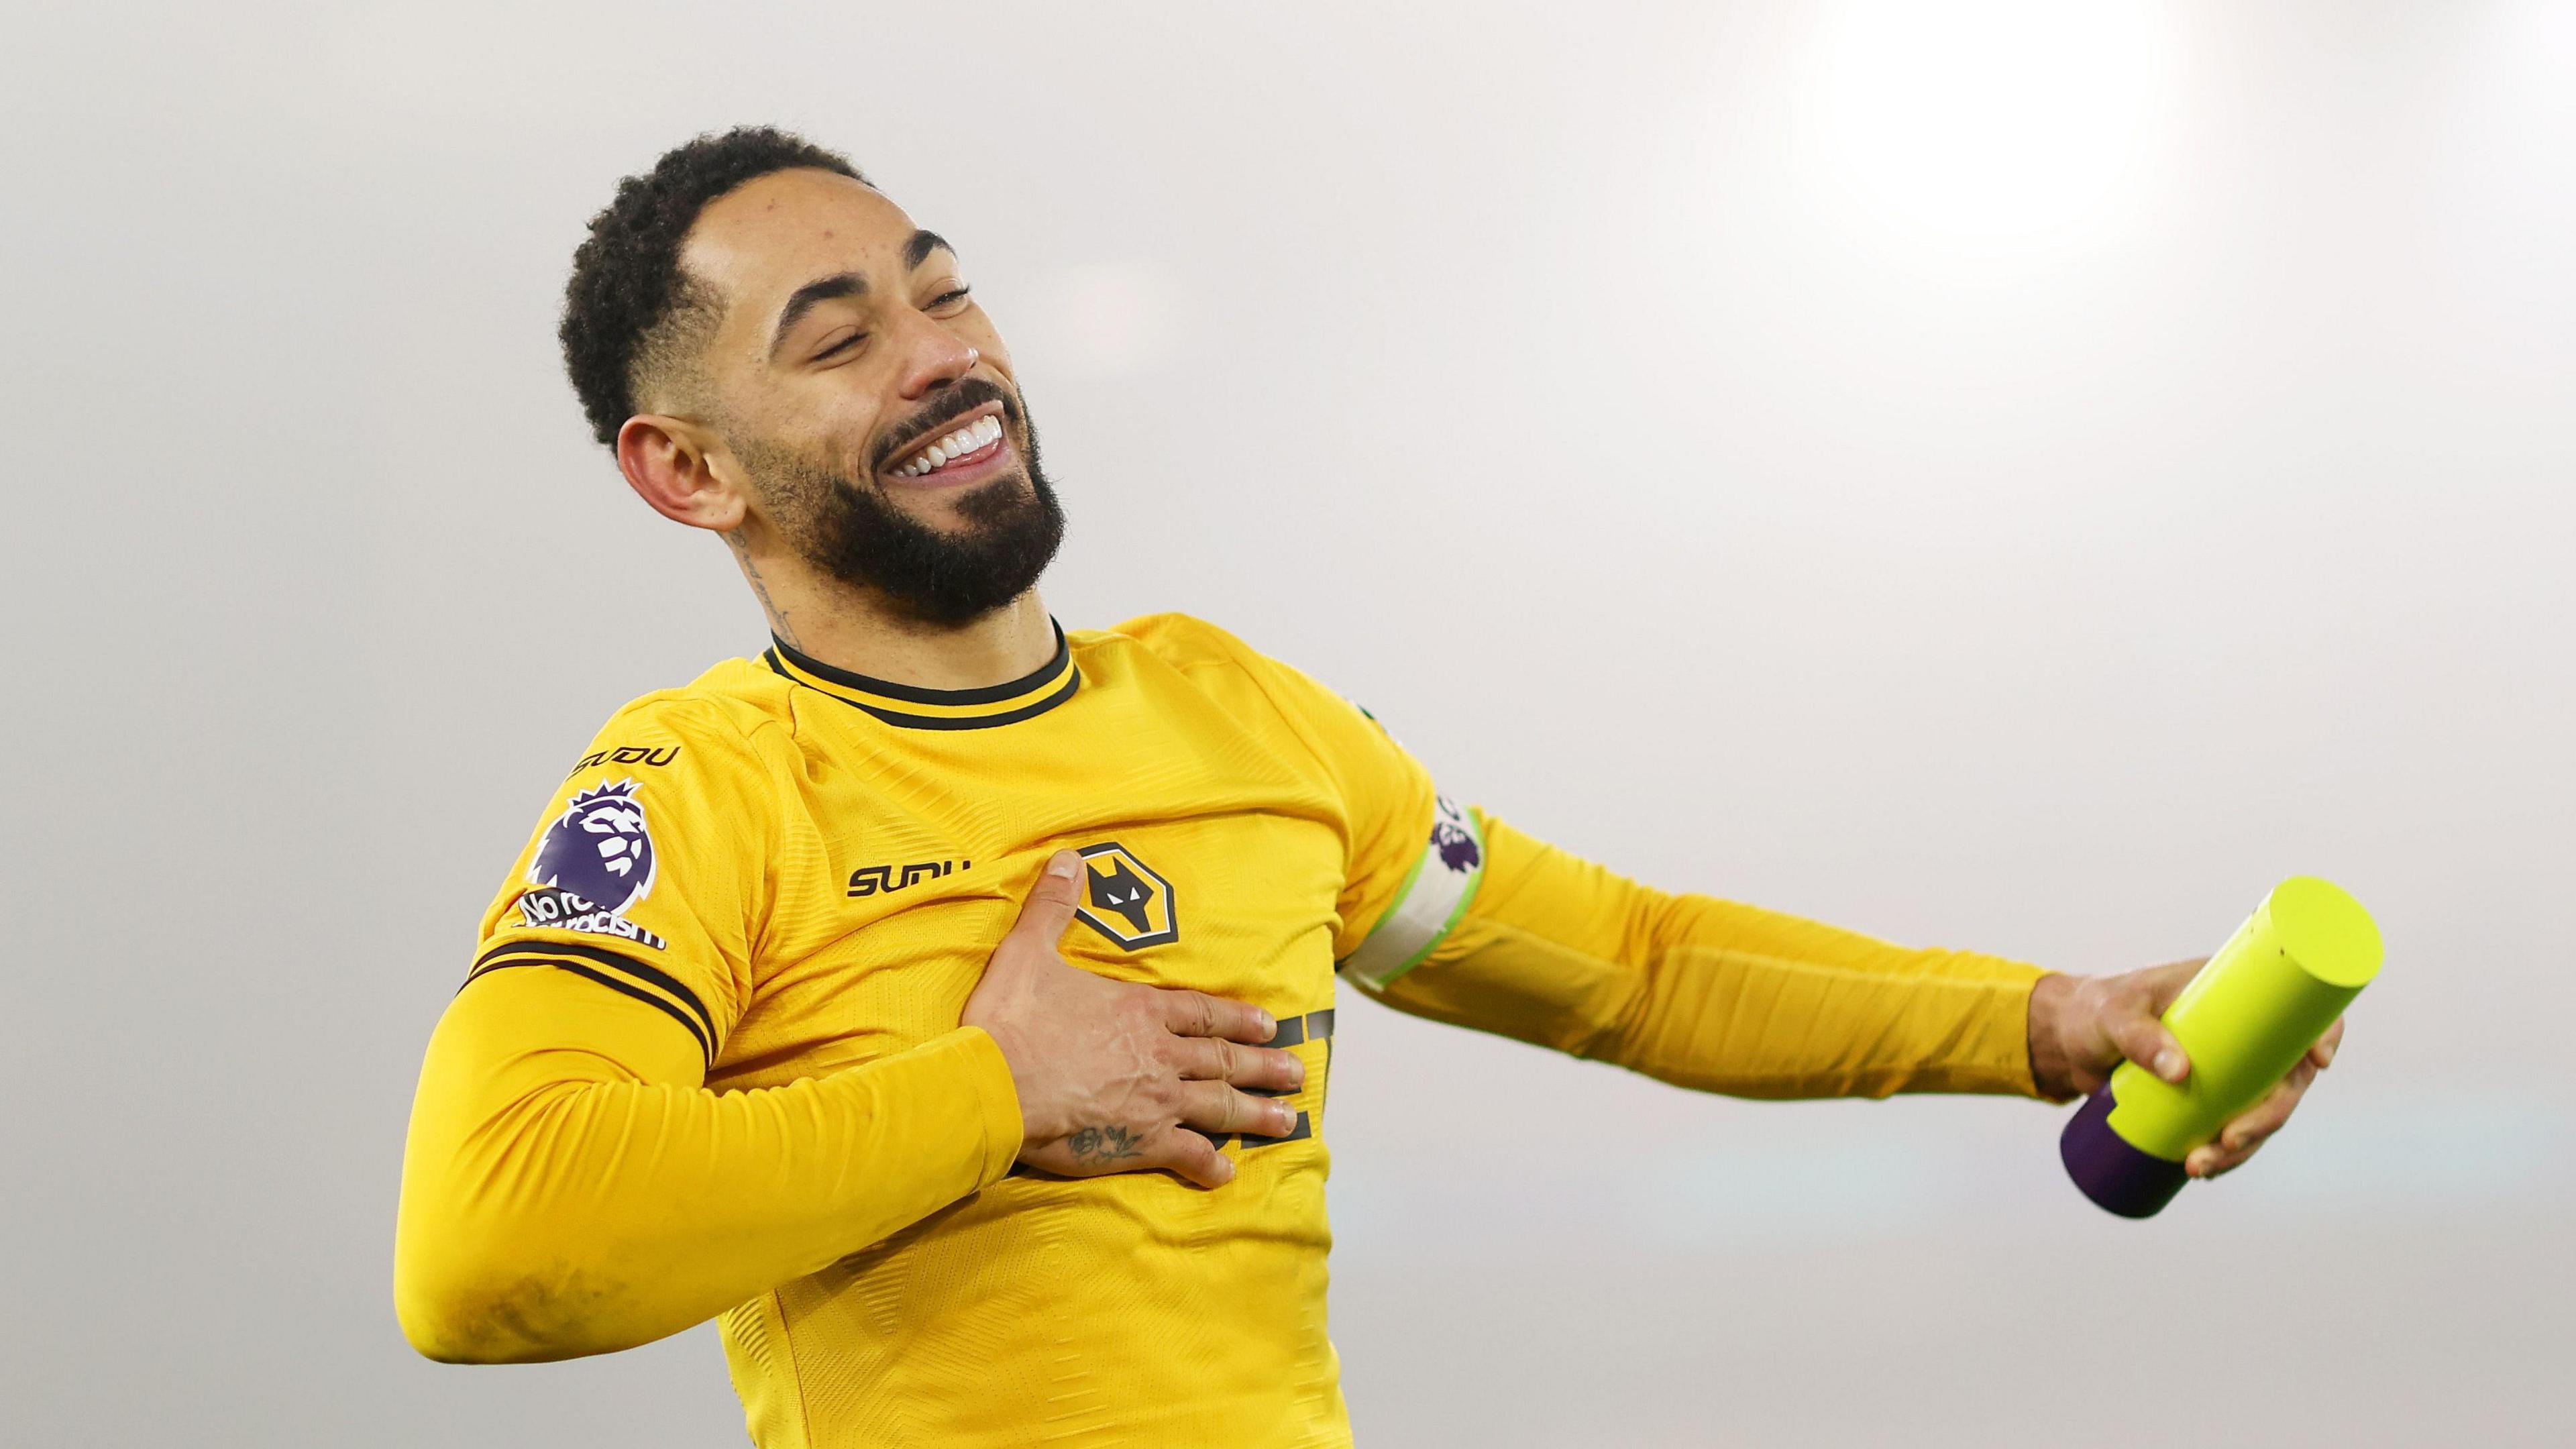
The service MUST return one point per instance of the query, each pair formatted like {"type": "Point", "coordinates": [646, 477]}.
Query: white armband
{"type": "Point", "coordinates": [1435, 895]}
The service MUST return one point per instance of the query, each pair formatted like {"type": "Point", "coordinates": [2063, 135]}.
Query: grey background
{"type": "Point", "coordinates": [2023, 480]}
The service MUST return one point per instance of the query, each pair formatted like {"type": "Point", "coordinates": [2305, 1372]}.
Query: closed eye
{"type": "Point", "coordinates": [843, 346]}
{"type": "Point", "coordinates": [952, 298]}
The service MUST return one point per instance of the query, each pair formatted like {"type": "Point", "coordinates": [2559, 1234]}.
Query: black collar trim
{"type": "Point", "coordinates": [1026, 697]}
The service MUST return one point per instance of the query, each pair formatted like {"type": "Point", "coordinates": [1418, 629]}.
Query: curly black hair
{"type": "Point", "coordinates": [629, 311]}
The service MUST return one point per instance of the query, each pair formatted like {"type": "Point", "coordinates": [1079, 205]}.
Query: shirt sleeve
{"type": "Point", "coordinates": [1389, 808]}
{"type": "Point", "coordinates": [1448, 913]}
{"type": "Point", "coordinates": [570, 1184]}
{"type": "Point", "coordinates": [647, 873]}
{"type": "Point", "coordinates": [571, 1187]}
{"type": "Point", "coordinates": [1690, 989]}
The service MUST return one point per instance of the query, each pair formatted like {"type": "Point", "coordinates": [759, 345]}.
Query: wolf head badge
{"type": "Point", "coordinates": [1125, 899]}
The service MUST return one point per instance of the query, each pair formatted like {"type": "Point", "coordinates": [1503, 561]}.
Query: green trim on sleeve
{"type": "Point", "coordinates": [1434, 898]}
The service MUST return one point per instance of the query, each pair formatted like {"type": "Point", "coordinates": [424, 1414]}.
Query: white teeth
{"type": "Point", "coordinates": [975, 435]}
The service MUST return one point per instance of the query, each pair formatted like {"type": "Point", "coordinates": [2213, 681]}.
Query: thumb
{"type": "Point", "coordinates": [1049, 908]}
{"type": "Point", "coordinates": [2144, 1040]}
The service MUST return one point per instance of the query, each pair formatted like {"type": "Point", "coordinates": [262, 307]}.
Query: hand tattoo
{"type": "Point", "coordinates": [1099, 1146]}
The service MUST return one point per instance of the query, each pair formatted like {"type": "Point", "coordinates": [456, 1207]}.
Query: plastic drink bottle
{"type": "Point", "coordinates": [2245, 1021]}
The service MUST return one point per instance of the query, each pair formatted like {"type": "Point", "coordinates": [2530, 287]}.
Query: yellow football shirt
{"type": "Point", "coordinates": [708, 1058]}
{"type": "Point", "coordinates": [805, 870]}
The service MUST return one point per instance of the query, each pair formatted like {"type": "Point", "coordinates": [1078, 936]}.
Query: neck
{"type": "Point", "coordinates": [861, 631]}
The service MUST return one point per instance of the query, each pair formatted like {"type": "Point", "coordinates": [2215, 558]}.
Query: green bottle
{"type": "Point", "coordinates": [2245, 1021]}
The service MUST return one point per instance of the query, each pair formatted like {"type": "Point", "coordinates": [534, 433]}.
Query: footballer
{"type": "Point", "coordinates": [943, 1000]}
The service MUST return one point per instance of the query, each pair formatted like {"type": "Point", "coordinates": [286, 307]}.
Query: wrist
{"type": "Point", "coordinates": [993, 1091]}
{"type": "Point", "coordinates": [2052, 1067]}
{"type": "Point", "coordinates": [1037, 1126]}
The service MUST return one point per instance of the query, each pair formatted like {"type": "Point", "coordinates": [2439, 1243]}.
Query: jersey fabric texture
{"type": "Point", "coordinates": [707, 1061]}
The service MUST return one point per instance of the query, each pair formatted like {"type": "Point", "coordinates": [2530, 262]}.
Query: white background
{"type": "Point", "coordinates": [2018, 476]}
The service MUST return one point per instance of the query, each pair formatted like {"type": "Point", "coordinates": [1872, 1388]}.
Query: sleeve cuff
{"type": "Point", "coordinates": [2004, 1045]}
{"type": "Point", "coordinates": [997, 1099]}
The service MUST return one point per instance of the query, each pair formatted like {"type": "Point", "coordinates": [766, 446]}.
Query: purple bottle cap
{"type": "Point", "coordinates": [2118, 1177]}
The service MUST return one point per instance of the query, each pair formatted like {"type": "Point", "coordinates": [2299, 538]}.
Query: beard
{"type": "Point", "coordinates": [850, 530]}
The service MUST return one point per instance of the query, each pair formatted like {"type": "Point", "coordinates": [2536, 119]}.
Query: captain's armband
{"type": "Point", "coordinates": [1435, 895]}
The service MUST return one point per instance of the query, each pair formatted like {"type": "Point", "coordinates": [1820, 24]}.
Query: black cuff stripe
{"type": "Point", "coordinates": [653, 975]}
{"type": "Point", "coordinates": [706, 1048]}
{"type": "Point", "coordinates": [706, 1045]}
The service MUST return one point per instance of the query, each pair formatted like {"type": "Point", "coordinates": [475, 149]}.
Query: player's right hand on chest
{"type": "Point", "coordinates": [1112, 1075]}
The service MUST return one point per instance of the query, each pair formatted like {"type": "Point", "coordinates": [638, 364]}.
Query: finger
{"type": "Point", "coordinates": [2210, 1160]}
{"type": "Point", "coordinates": [1192, 1158]}
{"type": "Point", "coordinates": [2246, 1133]}
{"type": "Point", "coordinates": [2143, 1039]}
{"type": "Point", "coordinates": [1185, 1154]}
{"type": "Point", "coordinates": [1204, 1059]}
{"type": "Point", "coordinates": [1049, 908]}
{"type": "Point", "coordinates": [2266, 1116]}
{"type": "Point", "coordinates": [2323, 1053]}
{"type": "Point", "coordinates": [1094, 1151]}
{"type": "Point", "coordinates": [2216, 1161]}
{"type": "Point", "coordinates": [1217, 1108]}
{"type": "Point", "coordinates": [1195, 1013]}
{"type": "Point", "coordinates": [1267, 1068]}
{"type": "Point", "coordinates": [1214, 1059]}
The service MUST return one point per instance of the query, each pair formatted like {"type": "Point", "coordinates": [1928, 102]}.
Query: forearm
{"type": "Point", "coordinates": [569, 1188]}
{"type": "Point", "coordinates": [1713, 994]}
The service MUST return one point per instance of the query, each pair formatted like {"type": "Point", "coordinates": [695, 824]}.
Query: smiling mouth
{"type": "Point", "coordinates": [971, 443]}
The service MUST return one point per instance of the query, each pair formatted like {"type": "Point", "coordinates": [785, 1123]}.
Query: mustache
{"type": "Point", "coordinates": [940, 412]}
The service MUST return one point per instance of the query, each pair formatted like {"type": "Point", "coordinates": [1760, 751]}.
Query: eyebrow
{"type": "Point", "coordinates": [923, 243]}
{"type": "Point", "coordinates": [848, 284]}
{"type": "Point", "coordinates": [813, 294]}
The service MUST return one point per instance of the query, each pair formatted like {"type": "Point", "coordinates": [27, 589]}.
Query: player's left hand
{"type": "Point", "coordinates": [2083, 1026]}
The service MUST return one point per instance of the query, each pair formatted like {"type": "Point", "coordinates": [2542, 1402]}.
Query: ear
{"type": "Point", "coordinates": [667, 462]}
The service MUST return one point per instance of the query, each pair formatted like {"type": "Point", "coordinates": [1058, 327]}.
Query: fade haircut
{"type": "Point", "coordinates": [632, 317]}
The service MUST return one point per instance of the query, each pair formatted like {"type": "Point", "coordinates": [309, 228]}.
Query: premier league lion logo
{"type": "Point", "coordinates": [600, 850]}
{"type": "Point", "coordinates": [1452, 837]}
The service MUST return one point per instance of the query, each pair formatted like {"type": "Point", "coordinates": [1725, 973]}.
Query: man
{"type": "Point", "coordinates": [946, 1001]}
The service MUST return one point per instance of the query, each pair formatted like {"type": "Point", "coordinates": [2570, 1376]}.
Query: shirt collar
{"type": "Point", "coordinates": [912, 707]}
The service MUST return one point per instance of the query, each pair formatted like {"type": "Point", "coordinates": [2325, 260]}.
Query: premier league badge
{"type": "Point", "coordinates": [594, 865]}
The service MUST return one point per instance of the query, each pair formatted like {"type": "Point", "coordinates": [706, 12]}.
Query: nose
{"type": "Point", "coordinates": [937, 358]}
